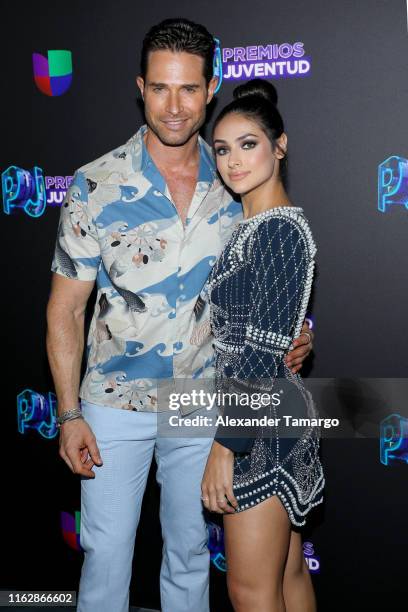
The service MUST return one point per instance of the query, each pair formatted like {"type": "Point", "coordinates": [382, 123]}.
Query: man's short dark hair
{"type": "Point", "coordinates": [180, 35]}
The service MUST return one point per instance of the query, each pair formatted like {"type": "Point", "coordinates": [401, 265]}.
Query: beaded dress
{"type": "Point", "coordinates": [258, 291]}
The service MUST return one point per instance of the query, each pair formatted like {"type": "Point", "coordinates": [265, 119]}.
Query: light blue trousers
{"type": "Point", "coordinates": [110, 511]}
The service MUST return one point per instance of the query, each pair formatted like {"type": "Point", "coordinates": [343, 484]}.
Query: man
{"type": "Point", "coordinates": [145, 221]}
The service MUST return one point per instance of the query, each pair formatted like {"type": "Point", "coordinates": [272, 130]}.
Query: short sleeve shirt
{"type": "Point", "coordinates": [119, 227]}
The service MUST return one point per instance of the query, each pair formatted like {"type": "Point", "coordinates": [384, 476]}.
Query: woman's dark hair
{"type": "Point", "coordinates": [180, 35]}
{"type": "Point", "coordinates": [257, 100]}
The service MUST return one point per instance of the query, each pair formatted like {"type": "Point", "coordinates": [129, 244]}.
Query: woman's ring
{"type": "Point", "coordinates": [308, 335]}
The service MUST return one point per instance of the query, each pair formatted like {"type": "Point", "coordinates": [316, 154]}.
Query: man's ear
{"type": "Point", "coordinates": [140, 84]}
{"type": "Point", "coordinates": [212, 85]}
{"type": "Point", "coordinates": [281, 146]}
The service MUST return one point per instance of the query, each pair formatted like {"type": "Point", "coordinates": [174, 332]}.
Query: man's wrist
{"type": "Point", "coordinates": [69, 415]}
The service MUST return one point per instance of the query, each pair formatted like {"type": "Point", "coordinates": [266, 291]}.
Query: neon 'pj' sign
{"type": "Point", "coordinates": [36, 411]}
{"type": "Point", "coordinates": [393, 183]}
{"type": "Point", "coordinates": [394, 440]}
{"type": "Point", "coordinates": [217, 64]}
{"type": "Point", "coordinates": [30, 191]}
{"type": "Point", "coordinates": [23, 189]}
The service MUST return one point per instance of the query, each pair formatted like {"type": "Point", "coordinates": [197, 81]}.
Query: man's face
{"type": "Point", "coordinates": [175, 95]}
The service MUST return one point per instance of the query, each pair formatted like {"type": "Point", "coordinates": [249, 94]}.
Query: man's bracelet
{"type": "Point", "coordinates": [69, 415]}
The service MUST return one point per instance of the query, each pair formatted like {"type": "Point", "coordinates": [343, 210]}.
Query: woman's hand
{"type": "Point", "coordinates": [302, 346]}
{"type": "Point", "coordinates": [216, 486]}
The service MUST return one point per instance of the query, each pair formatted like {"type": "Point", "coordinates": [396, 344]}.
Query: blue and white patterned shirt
{"type": "Point", "coordinates": [118, 225]}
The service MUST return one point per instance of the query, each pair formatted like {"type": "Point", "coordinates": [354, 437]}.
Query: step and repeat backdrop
{"type": "Point", "coordinates": [69, 95]}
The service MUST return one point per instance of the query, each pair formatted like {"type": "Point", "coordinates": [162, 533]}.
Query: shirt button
{"type": "Point", "coordinates": [181, 286]}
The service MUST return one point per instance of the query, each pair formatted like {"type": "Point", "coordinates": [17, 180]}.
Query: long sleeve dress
{"type": "Point", "coordinates": [258, 290]}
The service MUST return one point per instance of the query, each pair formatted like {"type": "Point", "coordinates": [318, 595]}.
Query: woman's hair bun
{"type": "Point", "coordinates": [259, 88]}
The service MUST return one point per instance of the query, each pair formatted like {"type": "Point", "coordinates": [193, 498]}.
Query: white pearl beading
{"type": "Point", "coordinates": [267, 337]}
{"type": "Point", "coordinates": [227, 347]}
{"type": "Point", "coordinates": [292, 506]}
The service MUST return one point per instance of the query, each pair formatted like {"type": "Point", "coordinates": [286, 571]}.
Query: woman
{"type": "Point", "coordinates": [265, 480]}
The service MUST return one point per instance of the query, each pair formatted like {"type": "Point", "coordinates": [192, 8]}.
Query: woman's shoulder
{"type": "Point", "coordinates": [286, 224]}
{"type": "Point", "coordinates": [278, 215]}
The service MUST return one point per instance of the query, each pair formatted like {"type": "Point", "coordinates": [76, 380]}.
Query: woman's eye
{"type": "Point", "coordinates": [249, 144]}
{"type": "Point", "coordinates": [221, 151]}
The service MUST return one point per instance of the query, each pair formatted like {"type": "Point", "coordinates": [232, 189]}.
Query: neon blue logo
{"type": "Point", "coordinates": [216, 546]}
{"type": "Point", "coordinates": [394, 440]}
{"type": "Point", "coordinates": [35, 411]}
{"type": "Point", "coordinates": [23, 189]}
{"type": "Point", "coordinates": [217, 64]}
{"type": "Point", "coordinates": [392, 183]}
{"type": "Point", "coordinates": [30, 191]}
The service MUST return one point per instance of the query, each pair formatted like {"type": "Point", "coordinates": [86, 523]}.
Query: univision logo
{"type": "Point", "coordinates": [70, 525]}
{"type": "Point", "coordinates": [53, 75]}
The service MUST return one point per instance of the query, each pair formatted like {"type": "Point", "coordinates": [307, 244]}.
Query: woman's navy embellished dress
{"type": "Point", "coordinates": [258, 290]}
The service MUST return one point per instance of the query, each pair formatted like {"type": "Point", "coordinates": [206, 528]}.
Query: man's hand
{"type": "Point", "coordinates": [78, 447]}
{"type": "Point", "coordinates": [216, 486]}
{"type": "Point", "coordinates": [303, 344]}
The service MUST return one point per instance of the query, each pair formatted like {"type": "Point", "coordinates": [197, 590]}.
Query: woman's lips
{"type": "Point", "coordinates": [237, 176]}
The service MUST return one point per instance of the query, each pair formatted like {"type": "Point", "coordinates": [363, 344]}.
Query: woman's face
{"type": "Point", "coordinates": [244, 154]}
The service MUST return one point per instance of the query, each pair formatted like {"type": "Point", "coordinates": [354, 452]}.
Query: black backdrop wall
{"type": "Point", "coordinates": [344, 118]}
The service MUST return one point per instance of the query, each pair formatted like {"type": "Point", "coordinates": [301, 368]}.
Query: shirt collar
{"type": "Point", "coordinates": [142, 162]}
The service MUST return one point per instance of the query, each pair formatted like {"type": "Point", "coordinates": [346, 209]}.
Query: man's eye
{"type": "Point", "coordinates": [190, 89]}
{"type": "Point", "coordinates": [157, 89]}
{"type": "Point", "coordinates": [221, 151]}
{"type": "Point", "coordinates": [249, 144]}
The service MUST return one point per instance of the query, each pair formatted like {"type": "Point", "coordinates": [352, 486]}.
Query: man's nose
{"type": "Point", "coordinates": [174, 104]}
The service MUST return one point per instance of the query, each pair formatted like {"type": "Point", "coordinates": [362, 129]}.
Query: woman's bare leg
{"type": "Point", "coordinates": [257, 545]}
{"type": "Point", "coordinates": [298, 590]}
